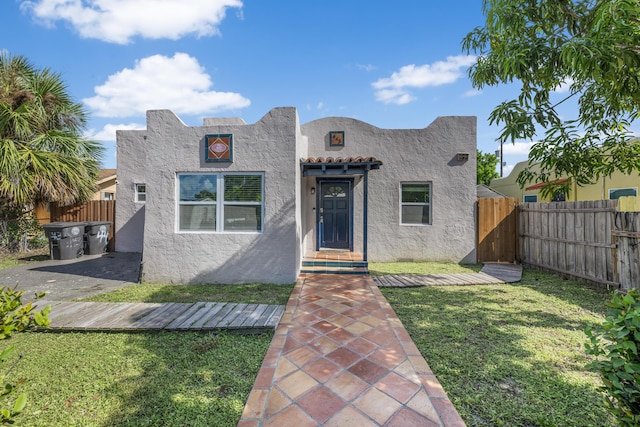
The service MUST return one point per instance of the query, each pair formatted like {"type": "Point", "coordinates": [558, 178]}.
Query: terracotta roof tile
{"type": "Point", "coordinates": [329, 160]}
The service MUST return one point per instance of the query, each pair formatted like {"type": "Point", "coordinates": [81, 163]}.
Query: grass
{"type": "Point", "coordinates": [8, 260]}
{"type": "Point", "coordinates": [510, 355]}
{"type": "Point", "coordinates": [141, 379]}
{"type": "Point", "coordinates": [251, 293]}
{"type": "Point", "coordinates": [379, 268]}
{"type": "Point", "coordinates": [507, 355]}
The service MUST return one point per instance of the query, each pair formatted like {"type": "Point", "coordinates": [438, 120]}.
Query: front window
{"type": "Point", "coordinates": [616, 193]}
{"type": "Point", "coordinates": [415, 203]}
{"type": "Point", "coordinates": [220, 202]}
{"type": "Point", "coordinates": [530, 198]}
{"type": "Point", "coordinates": [141, 192]}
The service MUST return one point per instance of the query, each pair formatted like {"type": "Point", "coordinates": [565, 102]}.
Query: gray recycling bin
{"type": "Point", "coordinates": [96, 237]}
{"type": "Point", "coordinates": [66, 239]}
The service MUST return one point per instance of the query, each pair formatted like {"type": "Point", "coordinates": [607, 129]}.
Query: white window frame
{"type": "Point", "coordinates": [108, 195]}
{"type": "Point", "coordinates": [139, 193]}
{"type": "Point", "coordinates": [529, 195]}
{"type": "Point", "coordinates": [622, 188]}
{"type": "Point", "coordinates": [220, 203]}
{"type": "Point", "coordinates": [429, 204]}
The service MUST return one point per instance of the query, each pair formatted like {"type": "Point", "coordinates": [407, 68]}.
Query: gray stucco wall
{"type": "Point", "coordinates": [167, 147]}
{"type": "Point", "coordinates": [408, 155]}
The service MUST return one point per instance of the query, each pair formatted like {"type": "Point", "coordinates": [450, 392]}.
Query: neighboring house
{"type": "Point", "coordinates": [106, 183]}
{"type": "Point", "coordinates": [229, 202]}
{"type": "Point", "coordinates": [486, 192]}
{"type": "Point", "coordinates": [106, 190]}
{"type": "Point", "coordinates": [613, 187]}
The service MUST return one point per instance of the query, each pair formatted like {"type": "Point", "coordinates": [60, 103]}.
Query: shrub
{"type": "Point", "coordinates": [16, 317]}
{"type": "Point", "coordinates": [614, 343]}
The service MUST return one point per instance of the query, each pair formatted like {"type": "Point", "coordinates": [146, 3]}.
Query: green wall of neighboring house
{"type": "Point", "coordinates": [605, 188]}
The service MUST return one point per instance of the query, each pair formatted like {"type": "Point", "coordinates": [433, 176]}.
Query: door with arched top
{"type": "Point", "coordinates": [334, 214]}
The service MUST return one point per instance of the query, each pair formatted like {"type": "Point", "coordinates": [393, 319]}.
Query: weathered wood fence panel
{"type": "Point", "coordinates": [573, 238]}
{"type": "Point", "coordinates": [497, 230]}
{"type": "Point", "coordinates": [93, 210]}
{"type": "Point", "coordinates": [627, 234]}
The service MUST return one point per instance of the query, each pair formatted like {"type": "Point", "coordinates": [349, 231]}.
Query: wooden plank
{"type": "Point", "coordinates": [61, 309]}
{"type": "Point", "coordinates": [213, 322]}
{"type": "Point", "coordinates": [243, 316]}
{"type": "Point", "coordinates": [194, 315]}
{"type": "Point", "coordinates": [223, 321]}
{"type": "Point", "coordinates": [210, 311]}
{"type": "Point", "coordinates": [253, 317]}
{"type": "Point", "coordinates": [266, 315]}
{"type": "Point", "coordinates": [162, 316]}
{"type": "Point", "coordinates": [183, 319]}
{"type": "Point", "coordinates": [78, 311]}
{"type": "Point", "coordinates": [127, 317]}
{"type": "Point", "coordinates": [97, 321]}
{"type": "Point", "coordinates": [273, 321]}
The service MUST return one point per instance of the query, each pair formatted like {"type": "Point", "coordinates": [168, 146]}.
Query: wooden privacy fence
{"type": "Point", "coordinates": [93, 210]}
{"type": "Point", "coordinates": [627, 235]}
{"type": "Point", "coordinates": [589, 240]}
{"type": "Point", "coordinates": [497, 230]}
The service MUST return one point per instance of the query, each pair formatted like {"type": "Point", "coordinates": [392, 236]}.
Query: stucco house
{"type": "Point", "coordinates": [230, 202]}
{"type": "Point", "coordinates": [611, 187]}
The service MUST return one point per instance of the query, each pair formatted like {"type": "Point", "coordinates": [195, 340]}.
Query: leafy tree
{"type": "Point", "coordinates": [486, 167]}
{"type": "Point", "coordinates": [43, 153]}
{"type": "Point", "coordinates": [593, 46]}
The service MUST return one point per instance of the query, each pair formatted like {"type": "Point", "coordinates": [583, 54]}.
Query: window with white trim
{"type": "Point", "coordinates": [530, 198]}
{"type": "Point", "coordinates": [415, 203]}
{"type": "Point", "coordinates": [141, 193]}
{"type": "Point", "coordinates": [616, 193]}
{"type": "Point", "coordinates": [231, 202]}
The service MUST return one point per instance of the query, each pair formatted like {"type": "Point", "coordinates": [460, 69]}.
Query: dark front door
{"type": "Point", "coordinates": [334, 217]}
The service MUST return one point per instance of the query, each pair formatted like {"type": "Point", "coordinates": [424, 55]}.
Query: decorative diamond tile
{"type": "Point", "coordinates": [321, 404]}
{"type": "Point", "coordinates": [377, 405]}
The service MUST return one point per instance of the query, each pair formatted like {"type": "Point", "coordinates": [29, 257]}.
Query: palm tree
{"type": "Point", "coordinates": [44, 156]}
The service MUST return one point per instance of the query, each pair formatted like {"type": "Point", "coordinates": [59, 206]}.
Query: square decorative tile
{"type": "Point", "coordinates": [322, 369]}
{"type": "Point", "coordinates": [343, 357]}
{"type": "Point", "coordinates": [321, 404]}
{"type": "Point", "coordinates": [397, 387]}
{"type": "Point", "coordinates": [347, 386]}
{"type": "Point", "coordinates": [377, 405]}
{"type": "Point", "coordinates": [368, 371]}
{"type": "Point", "coordinates": [296, 384]}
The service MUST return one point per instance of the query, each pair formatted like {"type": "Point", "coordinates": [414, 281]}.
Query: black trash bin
{"type": "Point", "coordinates": [66, 239]}
{"type": "Point", "coordinates": [96, 237]}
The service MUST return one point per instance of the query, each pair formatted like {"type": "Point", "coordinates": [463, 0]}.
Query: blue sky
{"type": "Point", "coordinates": [396, 65]}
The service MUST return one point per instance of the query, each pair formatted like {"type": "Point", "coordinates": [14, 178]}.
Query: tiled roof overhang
{"type": "Point", "coordinates": [317, 166]}
{"type": "Point", "coordinates": [539, 185]}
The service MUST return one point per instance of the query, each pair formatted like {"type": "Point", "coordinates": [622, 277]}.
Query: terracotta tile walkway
{"type": "Point", "coordinates": [341, 357]}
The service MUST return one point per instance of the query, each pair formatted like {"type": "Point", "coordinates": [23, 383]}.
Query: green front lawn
{"type": "Point", "coordinates": [507, 355]}
{"type": "Point", "coordinates": [255, 293]}
{"type": "Point", "coordinates": [135, 379]}
{"type": "Point", "coordinates": [510, 355]}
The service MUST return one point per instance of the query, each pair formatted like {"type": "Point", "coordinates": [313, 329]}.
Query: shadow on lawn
{"type": "Point", "coordinates": [188, 378]}
{"type": "Point", "coordinates": [508, 355]}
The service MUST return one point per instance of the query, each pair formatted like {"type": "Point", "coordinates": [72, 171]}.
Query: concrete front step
{"type": "Point", "coordinates": [333, 270]}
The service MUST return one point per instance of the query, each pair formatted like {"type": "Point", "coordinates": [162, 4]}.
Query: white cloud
{"type": "Point", "coordinates": [320, 105]}
{"type": "Point", "coordinates": [108, 132]}
{"type": "Point", "coordinates": [117, 21]}
{"type": "Point", "coordinates": [366, 67]}
{"type": "Point", "coordinates": [394, 89]}
{"type": "Point", "coordinates": [506, 170]}
{"type": "Point", "coordinates": [564, 87]}
{"type": "Point", "coordinates": [517, 148]}
{"type": "Point", "coordinates": [472, 92]}
{"type": "Point", "coordinates": [179, 83]}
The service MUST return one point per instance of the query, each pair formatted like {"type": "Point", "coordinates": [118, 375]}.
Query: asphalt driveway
{"type": "Point", "coordinates": [65, 280]}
